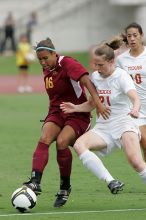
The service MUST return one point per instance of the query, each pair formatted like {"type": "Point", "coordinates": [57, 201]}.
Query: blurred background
{"type": "Point", "coordinates": [74, 25]}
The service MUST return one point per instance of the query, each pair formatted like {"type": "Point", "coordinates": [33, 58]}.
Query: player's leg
{"type": "Point", "coordinates": [91, 161]}
{"type": "Point", "coordinates": [49, 133]}
{"type": "Point", "coordinates": [143, 139]}
{"type": "Point", "coordinates": [27, 87]}
{"type": "Point", "coordinates": [24, 78]}
{"type": "Point", "coordinates": [21, 88]}
{"type": "Point", "coordinates": [64, 158]}
{"type": "Point", "coordinates": [13, 43]}
{"type": "Point", "coordinates": [3, 44]}
{"type": "Point", "coordinates": [74, 127]}
{"type": "Point", "coordinates": [131, 146]}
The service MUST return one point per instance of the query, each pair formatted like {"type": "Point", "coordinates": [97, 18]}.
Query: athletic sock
{"type": "Point", "coordinates": [95, 165]}
{"type": "Point", "coordinates": [64, 159]}
{"type": "Point", "coordinates": [64, 182]}
{"type": "Point", "coordinates": [36, 176]}
{"type": "Point", "coordinates": [143, 175]}
{"type": "Point", "coordinates": [40, 157]}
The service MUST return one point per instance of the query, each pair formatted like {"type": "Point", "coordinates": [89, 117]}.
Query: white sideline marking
{"type": "Point", "coordinates": [74, 212]}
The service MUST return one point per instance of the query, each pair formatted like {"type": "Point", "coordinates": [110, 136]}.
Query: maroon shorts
{"type": "Point", "coordinates": [79, 124]}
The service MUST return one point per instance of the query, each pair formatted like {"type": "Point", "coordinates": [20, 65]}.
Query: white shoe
{"type": "Point", "coordinates": [28, 89]}
{"type": "Point", "coordinates": [21, 89]}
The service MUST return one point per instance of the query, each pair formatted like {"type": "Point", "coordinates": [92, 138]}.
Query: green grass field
{"type": "Point", "coordinates": [90, 198]}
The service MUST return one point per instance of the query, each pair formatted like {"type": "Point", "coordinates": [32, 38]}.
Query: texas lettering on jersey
{"type": "Point", "coordinates": [136, 76]}
{"type": "Point", "coordinates": [134, 67]}
{"type": "Point", "coordinates": [104, 91]}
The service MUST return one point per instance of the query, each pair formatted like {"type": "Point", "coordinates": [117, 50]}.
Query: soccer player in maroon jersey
{"type": "Point", "coordinates": [64, 79]}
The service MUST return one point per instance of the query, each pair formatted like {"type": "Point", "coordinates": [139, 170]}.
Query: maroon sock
{"type": "Point", "coordinates": [40, 157]}
{"type": "Point", "coordinates": [64, 159]}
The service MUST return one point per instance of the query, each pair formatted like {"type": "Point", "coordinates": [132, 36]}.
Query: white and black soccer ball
{"type": "Point", "coordinates": [23, 199]}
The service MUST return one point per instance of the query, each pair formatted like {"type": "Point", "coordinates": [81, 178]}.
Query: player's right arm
{"type": "Point", "coordinates": [68, 107]}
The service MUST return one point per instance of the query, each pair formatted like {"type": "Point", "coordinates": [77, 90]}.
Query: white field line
{"type": "Point", "coordinates": [73, 212]}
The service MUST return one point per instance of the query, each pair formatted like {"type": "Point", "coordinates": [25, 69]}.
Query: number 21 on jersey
{"type": "Point", "coordinates": [105, 100]}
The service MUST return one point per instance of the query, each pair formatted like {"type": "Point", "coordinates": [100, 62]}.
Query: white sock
{"type": "Point", "coordinates": [143, 175]}
{"type": "Point", "coordinates": [95, 165]}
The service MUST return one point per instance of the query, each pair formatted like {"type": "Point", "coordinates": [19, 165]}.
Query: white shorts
{"type": "Point", "coordinates": [112, 132]}
{"type": "Point", "coordinates": [142, 116]}
{"type": "Point", "coordinates": [140, 121]}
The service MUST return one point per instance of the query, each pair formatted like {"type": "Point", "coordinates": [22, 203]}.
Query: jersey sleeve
{"type": "Point", "coordinates": [126, 82]}
{"type": "Point", "coordinates": [74, 69]}
{"type": "Point", "coordinates": [118, 63]}
{"type": "Point", "coordinates": [92, 77]}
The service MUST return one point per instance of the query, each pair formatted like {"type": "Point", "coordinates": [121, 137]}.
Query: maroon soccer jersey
{"type": "Point", "coordinates": [62, 84]}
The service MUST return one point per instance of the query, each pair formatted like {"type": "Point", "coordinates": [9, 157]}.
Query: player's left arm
{"type": "Point", "coordinates": [128, 87]}
{"type": "Point", "coordinates": [100, 108]}
{"type": "Point", "coordinates": [134, 98]}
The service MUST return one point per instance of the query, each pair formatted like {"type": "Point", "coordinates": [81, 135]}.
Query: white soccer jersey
{"type": "Point", "coordinates": [113, 92]}
{"type": "Point", "coordinates": [136, 68]}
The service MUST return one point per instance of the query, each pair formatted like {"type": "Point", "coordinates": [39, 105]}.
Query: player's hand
{"type": "Point", "coordinates": [104, 111]}
{"type": "Point", "coordinates": [67, 107]}
{"type": "Point", "coordinates": [134, 113]}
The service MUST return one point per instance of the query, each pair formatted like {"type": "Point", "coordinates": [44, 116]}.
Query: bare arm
{"type": "Point", "coordinates": [68, 107]}
{"type": "Point", "coordinates": [100, 108]}
{"type": "Point", "coordinates": [134, 98]}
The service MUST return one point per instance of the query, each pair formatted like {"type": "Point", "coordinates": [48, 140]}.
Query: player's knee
{"type": "Point", "coordinates": [61, 143]}
{"type": "Point", "coordinates": [79, 147]}
{"type": "Point", "coordinates": [45, 139]}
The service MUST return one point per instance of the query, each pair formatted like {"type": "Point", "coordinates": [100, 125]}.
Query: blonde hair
{"type": "Point", "coordinates": [107, 48]}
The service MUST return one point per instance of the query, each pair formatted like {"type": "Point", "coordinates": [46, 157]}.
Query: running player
{"type": "Point", "coordinates": [115, 87]}
{"type": "Point", "coordinates": [134, 62]}
{"type": "Point", "coordinates": [64, 79]}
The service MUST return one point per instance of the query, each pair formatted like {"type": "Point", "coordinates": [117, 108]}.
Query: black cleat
{"type": "Point", "coordinates": [62, 197]}
{"type": "Point", "coordinates": [115, 186]}
{"type": "Point", "coordinates": [33, 186]}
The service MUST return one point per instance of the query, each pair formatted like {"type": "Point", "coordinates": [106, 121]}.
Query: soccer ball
{"type": "Point", "coordinates": [23, 199]}
{"type": "Point", "coordinates": [30, 57]}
